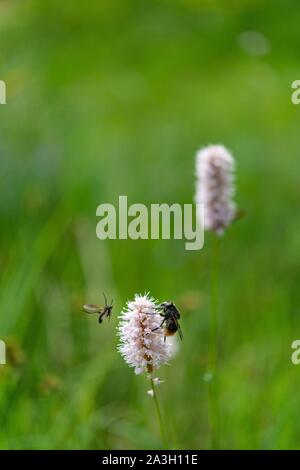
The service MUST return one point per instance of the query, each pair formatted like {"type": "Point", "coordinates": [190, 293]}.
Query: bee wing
{"type": "Point", "coordinates": [92, 308]}
{"type": "Point", "coordinates": [179, 330]}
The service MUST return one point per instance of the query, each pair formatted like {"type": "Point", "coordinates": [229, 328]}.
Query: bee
{"type": "Point", "coordinates": [170, 323]}
{"type": "Point", "coordinates": [103, 312]}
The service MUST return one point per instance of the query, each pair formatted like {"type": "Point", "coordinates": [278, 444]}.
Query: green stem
{"type": "Point", "coordinates": [214, 306]}
{"type": "Point", "coordinates": [158, 412]}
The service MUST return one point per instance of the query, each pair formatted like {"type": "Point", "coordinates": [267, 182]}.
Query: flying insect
{"type": "Point", "coordinates": [103, 312]}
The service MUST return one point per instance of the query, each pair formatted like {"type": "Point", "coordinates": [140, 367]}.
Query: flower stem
{"type": "Point", "coordinates": [158, 412]}
{"type": "Point", "coordinates": [214, 305]}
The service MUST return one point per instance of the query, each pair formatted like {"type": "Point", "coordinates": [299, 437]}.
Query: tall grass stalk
{"type": "Point", "coordinates": [159, 415]}
{"type": "Point", "coordinates": [213, 356]}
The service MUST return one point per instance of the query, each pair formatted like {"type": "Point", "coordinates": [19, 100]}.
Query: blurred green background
{"type": "Point", "coordinates": [115, 97]}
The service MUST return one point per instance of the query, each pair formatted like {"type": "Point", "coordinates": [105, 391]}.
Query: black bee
{"type": "Point", "coordinates": [104, 312]}
{"type": "Point", "coordinates": [170, 322]}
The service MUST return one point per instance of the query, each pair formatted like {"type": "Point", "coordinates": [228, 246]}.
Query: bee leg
{"type": "Point", "coordinates": [100, 319]}
{"type": "Point", "coordinates": [165, 339]}
{"type": "Point", "coordinates": [159, 327]}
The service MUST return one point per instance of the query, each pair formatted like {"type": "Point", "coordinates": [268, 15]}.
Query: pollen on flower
{"type": "Point", "coordinates": [141, 338]}
{"type": "Point", "coordinates": [215, 187]}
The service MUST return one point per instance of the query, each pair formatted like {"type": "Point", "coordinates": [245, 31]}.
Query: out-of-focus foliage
{"type": "Point", "coordinates": [114, 97]}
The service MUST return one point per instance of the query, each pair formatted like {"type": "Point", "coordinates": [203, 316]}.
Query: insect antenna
{"type": "Point", "coordinates": [105, 299]}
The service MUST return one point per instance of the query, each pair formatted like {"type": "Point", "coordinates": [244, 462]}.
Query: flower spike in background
{"type": "Point", "coordinates": [215, 187]}
{"type": "Point", "coordinates": [215, 190]}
